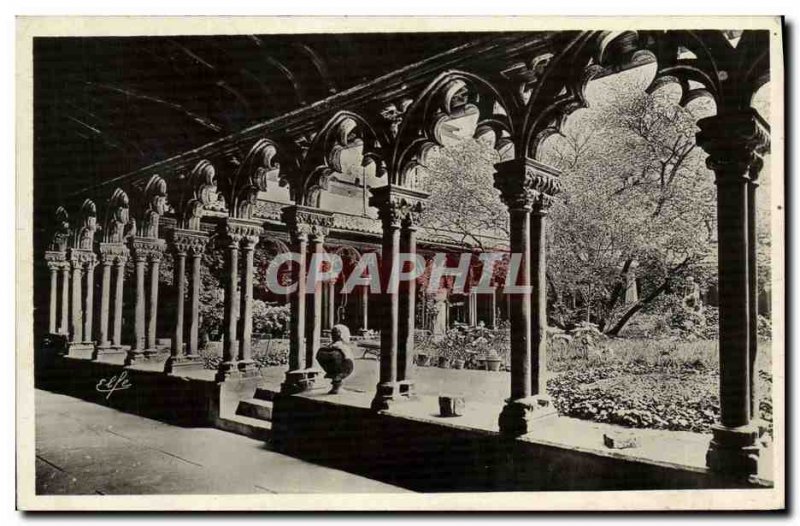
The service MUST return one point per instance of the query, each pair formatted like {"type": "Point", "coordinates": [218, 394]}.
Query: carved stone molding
{"type": "Point", "coordinates": [527, 184]}
{"type": "Point", "coordinates": [736, 144]}
{"type": "Point", "coordinates": [113, 253]}
{"type": "Point", "coordinates": [237, 231]}
{"type": "Point", "coordinates": [148, 248]}
{"type": "Point", "coordinates": [79, 258]}
{"type": "Point", "coordinates": [398, 206]}
{"type": "Point", "coordinates": [55, 260]}
{"type": "Point", "coordinates": [190, 242]}
{"type": "Point", "coordinates": [304, 221]}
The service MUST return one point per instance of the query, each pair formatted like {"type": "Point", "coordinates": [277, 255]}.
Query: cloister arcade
{"type": "Point", "coordinates": [282, 182]}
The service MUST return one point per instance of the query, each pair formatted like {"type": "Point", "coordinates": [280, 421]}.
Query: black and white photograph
{"type": "Point", "coordinates": [440, 264]}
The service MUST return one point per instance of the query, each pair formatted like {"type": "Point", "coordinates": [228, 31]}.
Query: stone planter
{"type": "Point", "coordinates": [457, 364]}
{"type": "Point", "coordinates": [423, 360]}
{"type": "Point", "coordinates": [443, 362]}
{"type": "Point", "coordinates": [493, 363]}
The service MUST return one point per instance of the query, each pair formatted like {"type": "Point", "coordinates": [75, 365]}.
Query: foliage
{"type": "Point", "coordinates": [470, 344]}
{"type": "Point", "coordinates": [266, 352]}
{"type": "Point", "coordinates": [270, 320]}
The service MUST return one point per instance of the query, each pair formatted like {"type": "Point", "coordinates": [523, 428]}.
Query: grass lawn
{"type": "Point", "coordinates": [656, 384]}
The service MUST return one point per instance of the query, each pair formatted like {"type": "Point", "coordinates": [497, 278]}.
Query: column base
{"type": "Point", "coordinates": [299, 380]}
{"type": "Point", "coordinates": [133, 356]}
{"type": "Point", "coordinates": [247, 368]}
{"type": "Point", "coordinates": [107, 350]}
{"type": "Point", "coordinates": [519, 417]}
{"type": "Point", "coordinates": [175, 364]}
{"type": "Point", "coordinates": [80, 350]}
{"type": "Point", "coordinates": [155, 353]}
{"type": "Point", "coordinates": [389, 394]}
{"type": "Point", "coordinates": [734, 451]}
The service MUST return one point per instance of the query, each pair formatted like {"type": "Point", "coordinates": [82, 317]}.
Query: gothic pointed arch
{"type": "Point", "coordinates": [152, 204]}
{"type": "Point", "coordinates": [60, 230]}
{"type": "Point", "coordinates": [198, 193]}
{"type": "Point", "coordinates": [250, 177]}
{"type": "Point", "coordinates": [86, 226]}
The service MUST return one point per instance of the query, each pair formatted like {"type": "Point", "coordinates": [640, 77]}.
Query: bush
{"type": "Point", "coordinates": [268, 352]}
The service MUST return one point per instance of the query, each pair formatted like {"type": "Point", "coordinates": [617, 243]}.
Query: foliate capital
{"type": "Point", "coordinates": [306, 222]}
{"type": "Point", "coordinates": [239, 231]}
{"type": "Point", "coordinates": [79, 258]}
{"type": "Point", "coordinates": [148, 248]}
{"type": "Point", "coordinates": [527, 184]}
{"type": "Point", "coordinates": [736, 143]}
{"type": "Point", "coordinates": [398, 206]}
{"type": "Point", "coordinates": [113, 253]}
{"type": "Point", "coordinates": [190, 242]}
{"type": "Point", "coordinates": [55, 260]}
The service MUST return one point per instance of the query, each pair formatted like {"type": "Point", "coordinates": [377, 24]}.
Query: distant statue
{"type": "Point", "coordinates": [691, 299]}
{"type": "Point", "coordinates": [337, 358]}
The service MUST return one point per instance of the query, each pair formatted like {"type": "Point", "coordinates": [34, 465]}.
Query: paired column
{"type": "Point", "coordinates": [527, 187]}
{"type": "Point", "coordinates": [305, 224]}
{"type": "Point", "coordinates": [735, 143]}
{"type": "Point", "coordinates": [236, 359]}
{"type": "Point", "coordinates": [314, 317]}
{"type": "Point", "coordinates": [55, 262]}
{"type": "Point", "coordinates": [185, 243]}
{"type": "Point", "coordinates": [397, 209]}
{"type": "Point", "coordinates": [145, 250]}
{"type": "Point", "coordinates": [119, 264]}
{"type": "Point", "coordinates": [111, 255]}
{"type": "Point", "coordinates": [76, 326]}
{"type": "Point", "coordinates": [63, 327]}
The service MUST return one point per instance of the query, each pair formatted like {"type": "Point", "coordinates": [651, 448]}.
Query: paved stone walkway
{"type": "Point", "coordinates": [84, 448]}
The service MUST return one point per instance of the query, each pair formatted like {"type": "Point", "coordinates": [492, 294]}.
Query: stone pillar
{"type": "Point", "coordinates": [304, 224]}
{"type": "Point", "coordinates": [407, 310]}
{"type": "Point", "coordinates": [152, 319]}
{"type": "Point", "coordinates": [735, 143]}
{"type": "Point", "coordinates": [230, 347]}
{"type": "Point", "coordinates": [331, 313]}
{"type": "Point", "coordinates": [76, 329]}
{"type": "Point", "coordinates": [197, 250]}
{"type": "Point", "coordinates": [106, 261]}
{"type": "Point", "coordinates": [179, 277]}
{"type": "Point", "coordinates": [314, 320]}
{"type": "Point", "coordinates": [144, 249]}
{"type": "Point", "coordinates": [493, 314]}
{"type": "Point", "coordinates": [246, 365]}
{"type": "Point", "coordinates": [119, 283]}
{"type": "Point", "coordinates": [472, 301]}
{"type": "Point", "coordinates": [752, 262]}
{"type": "Point", "coordinates": [396, 206]}
{"type": "Point", "coordinates": [526, 184]}
{"type": "Point", "coordinates": [55, 261]}
{"type": "Point", "coordinates": [88, 305]}
{"type": "Point", "coordinates": [364, 309]}
{"type": "Point", "coordinates": [64, 326]}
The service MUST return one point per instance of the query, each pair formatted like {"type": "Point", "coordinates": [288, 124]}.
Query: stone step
{"type": "Point", "coordinates": [255, 408]}
{"type": "Point", "coordinates": [263, 393]}
{"type": "Point", "coordinates": [246, 426]}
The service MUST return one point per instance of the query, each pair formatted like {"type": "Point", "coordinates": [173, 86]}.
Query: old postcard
{"type": "Point", "coordinates": [400, 263]}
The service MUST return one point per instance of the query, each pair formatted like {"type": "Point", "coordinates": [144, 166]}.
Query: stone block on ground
{"type": "Point", "coordinates": [620, 440]}
{"type": "Point", "coordinates": [451, 405]}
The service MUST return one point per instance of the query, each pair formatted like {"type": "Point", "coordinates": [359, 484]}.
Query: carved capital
{"type": "Point", "coordinates": [306, 222]}
{"type": "Point", "coordinates": [80, 258]}
{"type": "Point", "coordinates": [239, 231]}
{"type": "Point", "coordinates": [55, 260]}
{"type": "Point", "coordinates": [398, 206]}
{"type": "Point", "coordinates": [113, 253]}
{"type": "Point", "coordinates": [736, 144]}
{"type": "Point", "coordinates": [189, 242]}
{"type": "Point", "coordinates": [148, 249]}
{"type": "Point", "coordinates": [527, 184]}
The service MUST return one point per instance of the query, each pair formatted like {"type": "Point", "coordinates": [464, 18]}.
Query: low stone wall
{"type": "Point", "coordinates": [437, 457]}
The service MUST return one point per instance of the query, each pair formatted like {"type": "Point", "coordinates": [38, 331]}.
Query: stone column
{"type": "Point", "coordinates": [141, 252]}
{"type": "Point", "coordinates": [395, 206]}
{"type": "Point", "coordinates": [230, 348]}
{"type": "Point", "coordinates": [54, 260]}
{"type": "Point", "coordinates": [88, 308]}
{"type": "Point", "coordinates": [176, 351]}
{"type": "Point", "coordinates": [152, 319]}
{"type": "Point", "coordinates": [541, 207]}
{"type": "Point", "coordinates": [246, 365]}
{"type": "Point", "coordinates": [118, 292]}
{"type": "Point", "coordinates": [194, 303]}
{"type": "Point", "coordinates": [106, 261]}
{"type": "Point", "coordinates": [525, 184]}
{"type": "Point", "coordinates": [472, 300]}
{"type": "Point", "coordinates": [331, 321]}
{"type": "Point", "coordinates": [407, 310]}
{"type": "Point", "coordinates": [76, 330]}
{"type": "Point", "coordinates": [314, 321]}
{"type": "Point", "coordinates": [64, 326]}
{"type": "Point", "coordinates": [752, 262]}
{"type": "Point", "coordinates": [364, 309]}
{"type": "Point", "coordinates": [735, 143]}
{"type": "Point", "coordinates": [304, 224]}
